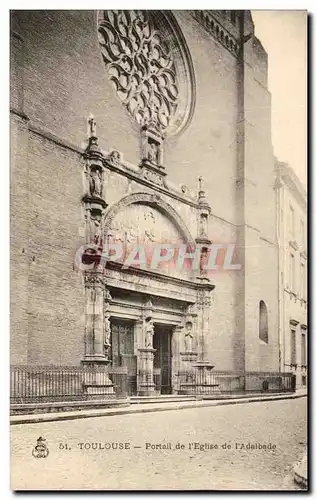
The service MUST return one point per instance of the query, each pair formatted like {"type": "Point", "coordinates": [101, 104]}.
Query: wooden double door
{"type": "Point", "coordinates": [162, 342]}
{"type": "Point", "coordinates": [122, 352]}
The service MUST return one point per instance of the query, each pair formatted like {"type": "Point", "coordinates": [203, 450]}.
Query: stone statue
{"type": "Point", "coordinates": [149, 332]}
{"type": "Point", "coordinates": [95, 183]}
{"type": "Point", "coordinates": [203, 225]}
{"type": "Point", "coordinates": [149, 304]}
{"type": "Point", "coordinates": [189, 337]}
{"type": "Point", "coordinates": [153, 152]}
{"type": "Point", "coordinates": [115, 157]}
{"type": "Point", "coordinates": [96, 231]}
{"type": "Point", "coordinates": [107, 330]}
{"type": "Point", "coordinates": [204, 257]}
{"type": "Point", "coordinates": [92, 127]}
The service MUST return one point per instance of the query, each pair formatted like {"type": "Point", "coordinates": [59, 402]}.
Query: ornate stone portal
{"type": "Point", "coordinates": [152, 77]}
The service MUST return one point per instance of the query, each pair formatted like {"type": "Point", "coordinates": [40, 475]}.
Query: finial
{"type": "Point", "coordinates": [202, 200]}
{"type": "Point", "coordinates": [92, 135]}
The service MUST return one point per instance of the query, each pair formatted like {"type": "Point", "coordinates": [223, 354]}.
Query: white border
{"type": "Point", "coordinates": [4, 197]}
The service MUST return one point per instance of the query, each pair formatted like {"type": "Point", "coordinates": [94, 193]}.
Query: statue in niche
{"type": "Point", "coordinates": [204, 257]}
{"type": "Point", "coordinates": [107, 330]}
{"type": "Point", "coordinates": [95, 225]}
{"type": "Point", "coordinates": [95, 184]}
{"type": "Point", "coordinates": [153, 152]}
{"type": "Point", "coordinates": [189, 337]}
{"type": "Point", "coordinates": [107, 299]}
{"type": "Point", "coordinates": [149, 332]}
{"type": "Point", "coordinates": [203, 225]}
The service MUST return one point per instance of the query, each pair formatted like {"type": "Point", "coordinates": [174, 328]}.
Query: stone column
{"type": "Point", "coordinates": [146, 386]}
{"type": "Point", "coordinates": [96, 377]}
{"type": "Point", "coordinates": [94, 335]}
{"type": "Point", "coordinates": [205, 381]}
{"type": "Point", "coordinates": [188, 354]}
{"type": "Point", "coordinates": [203, 324]}
{"type": "Point", "coordinates": [176, 365]}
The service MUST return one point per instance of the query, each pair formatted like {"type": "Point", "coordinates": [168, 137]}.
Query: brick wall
{"type": "Point", "coordinates": [64, 80]}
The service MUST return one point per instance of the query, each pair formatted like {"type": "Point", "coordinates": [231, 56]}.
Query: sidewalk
{"type": "Point", "coordinates": [146, 407]}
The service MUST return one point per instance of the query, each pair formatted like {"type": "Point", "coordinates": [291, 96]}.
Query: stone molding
{"type": "Point", "coordinates": [216, 30]}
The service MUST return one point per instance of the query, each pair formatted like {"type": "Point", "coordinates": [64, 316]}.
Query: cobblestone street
{"type": "Point", "coordinates": [78, 466]}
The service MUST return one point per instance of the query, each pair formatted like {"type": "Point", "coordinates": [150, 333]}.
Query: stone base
{"type": "Point", "coordinates": [146, 386]}
{"type": "Point", "coordinates": [95, 360]}
{"type": "Point", "coordinates": [147, 390]}
{"type": "Point", "coordinates": [208, 389]}
{"type": "Point", "coordinates": [97, 382]}
{"type": "Point", "coordinates": [187, 388]}
{"type": "Point", "coordinates": [188, 356]}
{"type": "Point", "coordinates": [99, 390]}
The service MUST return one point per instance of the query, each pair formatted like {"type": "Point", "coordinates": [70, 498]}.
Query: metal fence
{"type": "Point", "coordinates": [157, 379]}
{"type": "Point", "coordinates": [30, 384]}
{"type": "Point", "coordinates": [208, 382]}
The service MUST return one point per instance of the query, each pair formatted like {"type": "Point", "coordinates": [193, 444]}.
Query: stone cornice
{"type": "Point", "coordinates": [123, 168]}
{"type": "Point", "coordinates": [287, 176]}
{"type": "Point", "coordinates": [120, 167]}
{"type": "Point", "coordinates": [116, 266]}
{"type": "Point", "coordinates": [213, 26]}
{"type": "Point", "coordinates": [293, 322]}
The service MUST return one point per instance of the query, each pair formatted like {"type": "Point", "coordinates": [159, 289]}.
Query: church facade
{"type": "Point", "coordinates": [142, 128]}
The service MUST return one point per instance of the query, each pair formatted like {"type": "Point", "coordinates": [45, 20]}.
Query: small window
{"type": "Point", "coordinates": [303, 350]}
{"type": "Point", "coordinates": [302, 281]}
{"type": "Point", "coordinates": [263, 323]}
{"type": "Point", "coordinates": [293, 347]}
{"type": "Point", "coordinates": [291, 278]}
{"type": "Point", "coordinates": [292, 222]}
{"type": "Point", "coordinates": [302, 233]}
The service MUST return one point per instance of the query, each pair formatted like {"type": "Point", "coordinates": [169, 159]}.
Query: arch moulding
{"type": "Point", "coordinates": [152, 200]}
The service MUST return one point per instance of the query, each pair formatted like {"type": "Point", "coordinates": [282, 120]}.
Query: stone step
{"type": "Point", "coordinates": [168, 398]}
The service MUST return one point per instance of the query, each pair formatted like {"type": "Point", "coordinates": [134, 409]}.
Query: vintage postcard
{"type": "Point", "coordinates": [158, 250]}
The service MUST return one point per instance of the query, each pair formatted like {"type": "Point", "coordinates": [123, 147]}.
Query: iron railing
{"type": "Point", "coordinates": [157, 379]}
{"type": "Point", "coordinates": [30, 384]}
{"type": "Point", "coordinates": [208, 382]}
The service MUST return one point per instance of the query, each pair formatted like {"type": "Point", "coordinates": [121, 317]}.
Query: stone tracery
{"type": "Point", "coordinates": [140, 66]}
